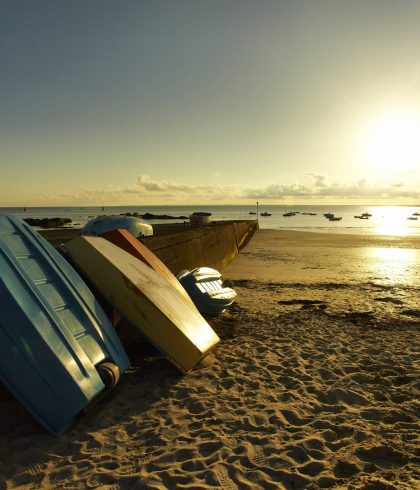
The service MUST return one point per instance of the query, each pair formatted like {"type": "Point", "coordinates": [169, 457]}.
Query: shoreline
{"type": "Point", "coordinates": [413, 241]}
{"type": "Point", "coordinates": [313, 385]}
{"type": "Point", "coordinates": [320, 236]}
{"type": "Point", "coordinates": [384, 218]}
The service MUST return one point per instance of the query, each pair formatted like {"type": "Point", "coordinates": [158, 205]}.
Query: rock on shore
{"type": "Point", "coordinates": [154, 216]}
{"type": "Point", "coordinates": [48, 222]}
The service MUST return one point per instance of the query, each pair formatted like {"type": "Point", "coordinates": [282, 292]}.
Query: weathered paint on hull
{"type": "Point", "coordinates": [145, 299]}
{"type": "Point", "coordinates": [205, 287]}
{"type": "Point", "coordinates": [53, 333]}
{"type": "Point", "coordinates": [125, 240]}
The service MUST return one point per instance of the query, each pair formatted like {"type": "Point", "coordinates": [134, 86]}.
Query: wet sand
{"type": "Point", "coordinates": [314, 385]}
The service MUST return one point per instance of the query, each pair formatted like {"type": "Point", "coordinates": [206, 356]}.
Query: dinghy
{"type": "Point", "coordinates": [58, 351]}
{"type": "Point", "coordinates": [101, 224]}
{"type": "Point", "coordinates": [145, 299]}
{"type": "Point", "coordinates": [125, 240]}
{"type": "Point", "coordinates": [210, 294]}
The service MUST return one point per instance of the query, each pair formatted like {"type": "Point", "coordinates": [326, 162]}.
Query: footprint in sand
{"type": "Point", "coordinates": [294, 419]}
{"type": "Point", "coordinates": [36, 469]}
{"type": "Point", "coordinates": [313, 468]}
{"type": "Point", "coordinates": [224, 479]}
{"type": "Point", "coordinates": [257, 457]}
{"type": "Point", "coordinates": [209, 448]}
{"type": "Point", "coordinates": [348, 397]}
{"type": "Point", "coordinates": [345, 469]}
{"type": "Point", "coordinates": [383, 456]}
{"type": "Point", "coordinates": [297, 453]}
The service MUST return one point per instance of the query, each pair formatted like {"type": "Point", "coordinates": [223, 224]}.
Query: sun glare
{"type": "Point", "coordinates": [393, 265]}
{"type": "Point", "coordinates": [393, 143]}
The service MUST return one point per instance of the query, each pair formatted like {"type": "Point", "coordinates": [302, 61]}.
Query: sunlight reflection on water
{"type": "Point", "coordinates": [395, 265]}
{"type": "Point", "coordinates": [393, 221]}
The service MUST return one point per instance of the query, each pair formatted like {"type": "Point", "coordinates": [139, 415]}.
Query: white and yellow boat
{"type": "Point", "coordinates": [146, 299]}
{"type": "Point", "coordinates": [125, 240]}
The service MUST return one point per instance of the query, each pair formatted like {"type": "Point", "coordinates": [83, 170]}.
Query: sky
{"type": "Point", "coordinates": [138, 102]}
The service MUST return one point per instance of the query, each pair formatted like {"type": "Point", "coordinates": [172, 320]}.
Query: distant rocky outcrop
{"type": "Point", "coordinates": [48, 222]}
{"type": "Point", "coordinates": [135, 215]}
{"type": "Point", "coordinates": [154, 216]}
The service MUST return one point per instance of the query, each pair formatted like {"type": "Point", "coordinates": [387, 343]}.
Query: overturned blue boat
{"type": "Point", "coordinates": [207, 289]}
{"type": "Point", "coordinates": [104, 224]}
{"type": "Point", "coordinates": [58, 350]}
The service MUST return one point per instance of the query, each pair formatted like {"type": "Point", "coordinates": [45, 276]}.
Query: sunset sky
{"type": "Point", "coordinates": [209, 101]}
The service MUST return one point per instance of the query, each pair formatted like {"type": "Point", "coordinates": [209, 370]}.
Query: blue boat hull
{"type": "Point", "coordinates": [54, 336]}
{"type": "Point", "coordinates": [206, 289]}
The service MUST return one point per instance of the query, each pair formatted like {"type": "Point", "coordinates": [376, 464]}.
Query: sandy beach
{"type": "Point", "coordinates": [313, 385]}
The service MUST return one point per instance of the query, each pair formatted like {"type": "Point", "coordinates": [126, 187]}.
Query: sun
{"type": "Point", "coordinates": [393, 143]}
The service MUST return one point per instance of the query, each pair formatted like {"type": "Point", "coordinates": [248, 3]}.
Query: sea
{"type": "Point", "coordinates": [383, 220]}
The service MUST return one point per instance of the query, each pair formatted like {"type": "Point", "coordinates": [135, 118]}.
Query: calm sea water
{"type": "Point", "coordinates": [385, 220]}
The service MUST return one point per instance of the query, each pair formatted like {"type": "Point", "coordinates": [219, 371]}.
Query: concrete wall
{"type": "Point", "coordinates": [185, 246]}
{"type": "Point", "coordinates": [212, 245]}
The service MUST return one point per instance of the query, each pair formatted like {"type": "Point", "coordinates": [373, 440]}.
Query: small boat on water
{"type": "Point", "coordinates": [416, 214]}
{"type": "Point", "coordinates": [366, 215]}
{"type": "Point", "coordinates": [329, 215]}
{"type": "Point", "coordinates": [412, 218]}
{"type": "Point", "coordinates": [335, 218]}
{"type": "Point", "coordinates": [252, 212]}
{"type": "Point", "coordinates": [265, 214]}
{"type": "Point", "coordinates": [209, 292]}
{"type": "Point", "coordinates": [362, 216]}
{"type": "Point", "coordinates": [201, 217]}
{"type": "Point", "coordinates": [101, 224]}
{"type": "Point", "coordinates": [289, 213]}
{"type": "Point", "coordinates": [58, 350]}
{"type": "Point", "coordinates": [145, 299]}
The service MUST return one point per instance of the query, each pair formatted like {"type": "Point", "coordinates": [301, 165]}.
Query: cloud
{"type": "Point", "coordinates": [320, 186]}
{"type": "Point", "coordinates": [176, 190]}
{"type": "Point", "coordinates": [143, 191]}
{"type": "Point", "coordinates": [319, 180]}
{"type": "Point", "coordinates": [147, 184]}
{"type": "Point", "coordinates": [146, 190]}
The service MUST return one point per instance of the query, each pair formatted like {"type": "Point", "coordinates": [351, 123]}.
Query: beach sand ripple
{"type": "Point", "coordinates": [312, 386]}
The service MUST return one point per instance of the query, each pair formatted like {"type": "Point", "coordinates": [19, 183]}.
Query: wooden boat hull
{"type": "Point", "coordinates": [125, 240]}
{"type": "Point", "coordinates": [54, 336]}
{"type": "Point", "coordinates": [146, 299]}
